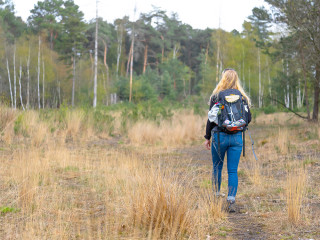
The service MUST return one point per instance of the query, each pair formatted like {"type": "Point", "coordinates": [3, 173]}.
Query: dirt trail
{"type": "Point", "coordinates": [250, 222]}
{"type": "Point", "coordinates": [243, 225]}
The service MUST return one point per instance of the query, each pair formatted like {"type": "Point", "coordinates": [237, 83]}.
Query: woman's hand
{"type": "Point", "coordinates": [207, 144]}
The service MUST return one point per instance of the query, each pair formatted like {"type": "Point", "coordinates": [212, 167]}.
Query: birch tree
{"type": "Point", "coordinates": [38, 73]}
{"type": "Point", "coordinates": [95, 82]}
{"type": "Point", "coordinates": [9, 79]}
{"type": "Point", "coordinates": [14, 77]}
{"type": "Point", "coordinates": [20, 88]}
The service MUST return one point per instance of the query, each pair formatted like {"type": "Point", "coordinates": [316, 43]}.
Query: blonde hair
{"type": "Point", "coordinates": [229, 80]}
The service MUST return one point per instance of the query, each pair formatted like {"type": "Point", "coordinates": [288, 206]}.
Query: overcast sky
{"type": "Point", "coordinates": [199, 13]}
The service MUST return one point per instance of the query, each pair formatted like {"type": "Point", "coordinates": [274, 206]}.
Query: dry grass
{"type": "Point", "coordinates": [296, 182]}
{"type": "Point", "coordinates": [59, 193]}
{"type": "Point", "coordinates": [279, 119]}
{"type": "Point", "coordinates": [98, 188]}
{"type": "Point", "coordinates": [74, 121]}
{"type": "Point", "coordinates": [283, 140]}
{"type": "Point", "coordinates": [183, 128]}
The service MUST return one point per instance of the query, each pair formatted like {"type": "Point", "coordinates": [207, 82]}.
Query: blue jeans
{"type": "Point", "coordinates": [232, 144]}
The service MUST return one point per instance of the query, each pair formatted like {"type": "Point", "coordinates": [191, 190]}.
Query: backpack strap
{"type": "Point", "coordinates": [244, 142]}
{"type": "Point", "coordinates": [219, 144]}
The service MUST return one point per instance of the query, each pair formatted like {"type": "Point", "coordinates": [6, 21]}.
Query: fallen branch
{"type": "Point", "coordinates": [281, 103]}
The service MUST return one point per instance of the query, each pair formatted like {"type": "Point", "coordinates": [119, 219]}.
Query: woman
{"type": "Point", "coordinates": [228, 142]}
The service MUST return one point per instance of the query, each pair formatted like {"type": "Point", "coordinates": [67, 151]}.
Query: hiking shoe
{"type": "Point", "coordinates": [231, 206]}
{"type": "Point", "coordinates": [226, 123]}
{"type": "Point", "coordinates": [219, 195]}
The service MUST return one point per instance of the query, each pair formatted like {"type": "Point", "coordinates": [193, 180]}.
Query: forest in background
{"type": "Point", "coordinates": [49, 60]}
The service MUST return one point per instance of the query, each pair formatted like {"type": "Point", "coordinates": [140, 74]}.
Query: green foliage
{"type": "Point", "coordinates": [269, 109]}
{"type": "Point", "coordinates": [4, 210]}
{"type": "Point", "coordinates": [18, 125]}
{"type": "Point", "coordinates": [103, 122]}
{"type": "Point", "coordinates": [150, 110]}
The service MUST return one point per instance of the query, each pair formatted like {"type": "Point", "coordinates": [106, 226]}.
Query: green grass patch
{"type": "Point", "coordinates": [71, 169]}
{"type": "Point", "coordinates": [206, 184]}
{"type": "Point", "coordinates": [309, 162]}
{"type": "Point", "coordinates": [4, 210]}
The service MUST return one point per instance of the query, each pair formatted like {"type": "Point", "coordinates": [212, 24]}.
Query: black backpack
{"type": "Point", "coordinates": [233, 115]}
{"type": "Point", "coordinates": [234, 111]}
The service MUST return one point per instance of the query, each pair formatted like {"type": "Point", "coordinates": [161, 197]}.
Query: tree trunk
{"type": "Point", "coordinates": [28, 80]}
{"type": "Point", "coordinates": [129, 60]}
{"type": "Point", "coordinates": [299, 102]}
{"type": "Point", "coordinates": [95, 82]}
{"type": "Point", "coordinates": [131, 65]}
{"type": "Point", "coordinates": [249, 82]}
{"type": "Point", "coordinates": [162, 49]}
{"type": "Point", "coordinates": [73, 78]}
{"type": "Point", "coordinates": [316, 94]}
{"type": "Point", "coordinates": [269, 79]}
{"type": "Point", "coordinates": [218, 57]}
{"type": "Point", "coordinates": [39, 73]}
{"type": "Point", "coordinates": [305, 81]}
{"type": "Point", "coordinates": [145, 61]}
{"type": "Point", "coordinates": [20, 73]}
{"type": "Point", "coordinates": [14, 77]}
{"type": "Point", "coordinates": [9, 83]}
{"type": "Point", "coordinates": [260, 87]}
{"type": "Point", "coordinates": [119, 49]}
{"type": "Point", "coordinates": [288, 87]}
{"type": "Point", "coordinates": [107, 68]}
{"type": "Point", "coordinates": [43, 76]}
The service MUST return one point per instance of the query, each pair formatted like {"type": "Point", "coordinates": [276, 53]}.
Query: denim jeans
{"type": "Point", "coordinates": [232, 144]}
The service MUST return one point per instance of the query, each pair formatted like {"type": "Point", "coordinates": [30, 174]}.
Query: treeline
{"type": "Point", "coordinates": [49, 60]}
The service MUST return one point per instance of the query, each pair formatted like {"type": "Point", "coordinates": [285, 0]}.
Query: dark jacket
{"type": "Point", "coordinates": [211, 125]}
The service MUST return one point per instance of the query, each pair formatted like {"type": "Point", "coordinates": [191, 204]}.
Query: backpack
{"type": "Point", "coordinates": [233, 111]}
{"type": "Point", "coordinates": [230, 113]}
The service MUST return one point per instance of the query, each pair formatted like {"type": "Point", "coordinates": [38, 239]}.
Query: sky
{"type": "Point", "coordinates": [199, 14]}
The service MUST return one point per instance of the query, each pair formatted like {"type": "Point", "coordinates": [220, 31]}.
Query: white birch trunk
{"type": "Point", "coordinates": [269, 79]}
{"type": "Point", "coordinates": [39, 105]}
{"type": "Point", "coordinates": [14, 78]}
{"type": "Point", "coordinates": [119, 48]}
{"type": "Point", "coordinates": [43, 76]}
{"type": "Point", "coordinates": [20, 74]}
{"type": "Point", "coordinates": [260, 85]}
{"type": "Point", "coordinates": [9, 78]}
{"type": "Point", "coordinates": [28, 80]}
{"type": "Point", "coordinates": [218, 58]}
{"type": "Point", "coordinates": [176, 49]}
{"type": "Point", "coordinates": [131, 65]}
{"type": "Point", "coordinates": [95, 61]}
{"type": "Point", "coordinates": [249, 82]}
{"type": "Point", "coordinates": [299, 97]}
{"type": "Point", "coordinates": [288, 88]}
{"type": "Point", "coordinates": [73, 78]}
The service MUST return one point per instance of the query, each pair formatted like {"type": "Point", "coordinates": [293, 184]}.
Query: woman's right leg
{"type": "Point", "coordinates": [217, 160]}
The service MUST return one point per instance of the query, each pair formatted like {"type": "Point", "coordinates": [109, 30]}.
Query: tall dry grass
{"type": "Point", "coordinates": [296, 182]}
{"type": "Point", "coordinates": [74, 121]}
{"type": "Point", "coordinates": [183, 128]}
{"type": "Point", "coordinates": [283, 140]}
{"type": "Point", "coordinates": [62, 193]}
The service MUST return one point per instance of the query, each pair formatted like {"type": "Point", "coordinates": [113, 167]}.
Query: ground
{"type": "Point", "coordinates": [117, 187]}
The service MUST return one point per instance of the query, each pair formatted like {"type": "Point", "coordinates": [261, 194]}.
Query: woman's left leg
{"type": "Point", "coordinates": [233, 157]}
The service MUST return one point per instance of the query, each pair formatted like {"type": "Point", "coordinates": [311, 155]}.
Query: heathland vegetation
{"type": "Point", "coordinates": [117, 174]}
{"type": "Point", "coordinates": [133, 166]}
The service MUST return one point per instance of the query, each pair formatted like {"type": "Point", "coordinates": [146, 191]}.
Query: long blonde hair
{"type": "Point", "coordinates": [230, 80]}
